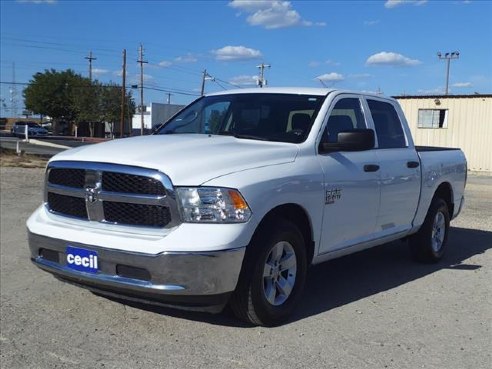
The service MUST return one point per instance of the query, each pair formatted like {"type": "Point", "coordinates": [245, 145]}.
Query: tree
{"type": "Point", "coordinates": [51, 93]}
{"type": "Point", "coordinates": [69, 96]}
{"type": "Point", "coordinates": [111, 104]}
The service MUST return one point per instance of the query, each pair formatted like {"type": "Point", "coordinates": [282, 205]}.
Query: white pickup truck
{"type": "Point", "coordinates": [232, 199]}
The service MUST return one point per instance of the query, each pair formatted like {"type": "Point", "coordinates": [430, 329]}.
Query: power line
{"type": "Point", "coordinates": [171, 91]}
{"type": "Point", "coordinates": [162, 89]}
{"type": "Point", "coordinates": [228, 83]}
{"type": "Point", "coordinates": [53, 45]}
{"type": "Point", "coordinates": [224, 88]}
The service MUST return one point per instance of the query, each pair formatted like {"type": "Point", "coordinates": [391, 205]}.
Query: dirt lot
{"type": "Point", "coordinates": [9, 158]}
{"type": "Point", "coordinates": [375, 309]}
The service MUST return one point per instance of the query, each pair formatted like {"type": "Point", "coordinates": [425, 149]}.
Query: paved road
{"type": "Point", "coordinates": [40, 146]}
{"type": "Point", "coordinates": [374, 309]}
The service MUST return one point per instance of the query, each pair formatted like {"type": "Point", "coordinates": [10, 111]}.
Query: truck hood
{"type": "Point", "coordinates": [188, 159]}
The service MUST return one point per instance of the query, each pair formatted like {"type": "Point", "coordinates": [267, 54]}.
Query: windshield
{"type": "Point", "coordinates": [260, 116]}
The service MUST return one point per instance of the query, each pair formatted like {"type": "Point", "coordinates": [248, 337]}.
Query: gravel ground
{"type": "Point", "coordinates": [374, 309]}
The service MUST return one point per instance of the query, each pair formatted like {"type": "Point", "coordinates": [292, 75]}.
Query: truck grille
{"type": "Point", "coordinates": [67, 177]}
{"type": "Point", "coordinates": [108, 193]}
{"type": "Point", "coordinates": [67, 205]}
{"type": "Point", "coordinates": [136, 214]}
{"type": "Point", "coordinates": [129, 183]}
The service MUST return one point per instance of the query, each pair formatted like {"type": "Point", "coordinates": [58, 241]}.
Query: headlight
{"type": "Point", "coordinates": [212, 205]}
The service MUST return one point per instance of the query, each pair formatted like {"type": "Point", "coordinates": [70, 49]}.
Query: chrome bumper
{"type": "Point", "coordinates": [182, 279]}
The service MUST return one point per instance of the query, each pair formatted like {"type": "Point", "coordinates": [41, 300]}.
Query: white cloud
{"type": "Point", "coordinates": [51, 2]}
{"type": "Point", "coordinates": [331, 77]}
{"type": "Point", "coordinates": [272, 14]}
{"type": "Point", "coordinates": [315, 63]}
{"type": "Point", "coordinates": [188, 58]}
{"type": "Point", "coordinates": [233, 53]}
{"type": "Point", "coordinates": [99, 71]}
{"type": "Point", "coordinates": [250, 5]}
{"type": "Point", "coordinates": [394, 3]}
{"type": "Point", "coordinates": [371, 22]}
{"type": "Point", "coordinates": [165, 63]}
{"type": "Point", "coordinates": [373, 92]}
{"type": "Point", "coordinates": [434, 91]}
{"type": "Point", "coordinates": [463, 84]}
{"type": "Point", "coordinates": [332, 62]}
{"type": "Point", "coordinates": [391, 58]}
{"type": "Point", "coordinates": [244, 80]}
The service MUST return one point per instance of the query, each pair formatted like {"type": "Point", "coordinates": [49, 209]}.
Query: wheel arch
{"type": "Point", "coordinates": [445, 192]}
{"type": "Point", "coordinates": [296, 214]}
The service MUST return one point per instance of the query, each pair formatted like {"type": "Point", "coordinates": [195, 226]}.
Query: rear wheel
{"type": "Point", "coordinates": [273, 275]}
{"type": "Point", "coordinates": [428, 244]}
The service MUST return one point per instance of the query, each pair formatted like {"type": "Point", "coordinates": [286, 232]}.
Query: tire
{"type": "Point", "coordinates": [273, 275]}
{"type": "Point", "coordinates": [429, 243]}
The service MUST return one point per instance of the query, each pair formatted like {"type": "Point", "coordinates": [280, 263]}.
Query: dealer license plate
{"type": "Point", "coordinates": [81, 259]}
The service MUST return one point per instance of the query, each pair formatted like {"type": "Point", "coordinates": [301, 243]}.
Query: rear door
{"type": "Point", "coordinates": [399, 169]}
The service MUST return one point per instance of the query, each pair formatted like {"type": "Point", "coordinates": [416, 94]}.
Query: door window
{"type": "Point", "coordinates": [387, 124]}
{"type": "Point", "coordinates": [346, 115]}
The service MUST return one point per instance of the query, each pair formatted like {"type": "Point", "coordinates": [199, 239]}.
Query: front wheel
{"type": "Point", "coordinates": [273, 275]}
{"type": "Point", "coordinates": [428, 244]}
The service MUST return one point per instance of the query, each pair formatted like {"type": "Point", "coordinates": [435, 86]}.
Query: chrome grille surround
{"type": "Point", "coordinates": [161, 200]}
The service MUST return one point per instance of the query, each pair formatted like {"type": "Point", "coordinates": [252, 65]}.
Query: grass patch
{"type": "Point", "coordinates": [9, 158]}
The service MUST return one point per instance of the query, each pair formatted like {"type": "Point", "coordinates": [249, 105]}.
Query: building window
{"type": "Point", "coordinates": [433, 118]}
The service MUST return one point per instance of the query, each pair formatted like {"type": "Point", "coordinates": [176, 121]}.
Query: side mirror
{"type": "Point", "coordinates": [353, 140]}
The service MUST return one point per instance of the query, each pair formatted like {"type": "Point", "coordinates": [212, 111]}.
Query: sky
{"type": "Point", "coordinates": [386, 46]}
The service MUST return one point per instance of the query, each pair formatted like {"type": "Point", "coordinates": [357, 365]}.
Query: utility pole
{"type": "Point", "coordinates": [205, 76]}
{"type": "Point", "coordinates": [123, 94]}
{"type": "Point", "coordinates": [13, 94]}
{"type": "Point", "coordinates": [448, 57]}
{"type": "Point", "coordinates": [169, 97]}
{"type": "Point", "coordinates": [261, 79]}
{"type": "Point", "coordinates": [142, 62]}
{"type": "Point", "coordinates": [90, 58]}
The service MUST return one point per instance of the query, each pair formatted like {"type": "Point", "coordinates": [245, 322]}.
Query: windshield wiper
{"type": "Point", "coordinates": [239, 135]}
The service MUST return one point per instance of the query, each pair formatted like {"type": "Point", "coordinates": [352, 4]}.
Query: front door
{"type": "Point", "coordinates": [351, 182]}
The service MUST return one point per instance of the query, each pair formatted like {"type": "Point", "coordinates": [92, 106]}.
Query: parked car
{"type": "Point", "coordinates": [48, 126]}
{"type": "Point", "coordinates": [237, 195]}
{"type": "Point", "coordinates": [34, 129]}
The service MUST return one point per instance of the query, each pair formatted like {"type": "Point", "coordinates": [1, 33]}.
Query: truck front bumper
{"type": "Point", "coordinates": [188, 280]}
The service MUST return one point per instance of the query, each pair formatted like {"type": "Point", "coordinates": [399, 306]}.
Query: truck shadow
{"type": "Point", "coordinates": [354, 277]}
{"type": "Point", "coordinates": [351, 278]}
